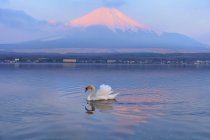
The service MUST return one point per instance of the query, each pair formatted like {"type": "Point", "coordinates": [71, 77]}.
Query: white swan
{"type": "Point", "coordinates": [104, 93]}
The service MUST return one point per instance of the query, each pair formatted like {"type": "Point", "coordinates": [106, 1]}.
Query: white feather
{"type": "Point", "coordinates": [105, 92]}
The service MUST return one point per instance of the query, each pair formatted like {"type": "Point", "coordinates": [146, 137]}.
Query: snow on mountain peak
{"type": "Point", "coordinates": [109, 17]}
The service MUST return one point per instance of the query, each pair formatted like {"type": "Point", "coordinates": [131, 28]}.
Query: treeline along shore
{"type": "Point", "coordinates": [110, 58]}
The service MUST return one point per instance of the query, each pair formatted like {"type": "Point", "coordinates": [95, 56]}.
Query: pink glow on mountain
{"type": "Point", "coordinates": [109, 17]}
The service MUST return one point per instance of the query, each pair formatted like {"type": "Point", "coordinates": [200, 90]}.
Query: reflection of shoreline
{"type": "Point", "coordinates": [102, 106]}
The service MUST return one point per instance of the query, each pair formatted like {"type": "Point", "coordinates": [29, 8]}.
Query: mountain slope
{"type": "Point", "coordinates": [103, 38]}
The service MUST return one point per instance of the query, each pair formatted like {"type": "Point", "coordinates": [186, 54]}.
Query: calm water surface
{"type": "Point", "coordinates": [47, 102]}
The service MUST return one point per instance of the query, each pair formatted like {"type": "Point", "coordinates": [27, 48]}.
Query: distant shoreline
{"type": "Point", "coordinates": [48, 63]}
{"type": "Point", "coordinates": [110, 58]}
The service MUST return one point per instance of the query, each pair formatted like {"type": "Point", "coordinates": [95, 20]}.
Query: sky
{"type": "Point", "coordinates": [189, 17]}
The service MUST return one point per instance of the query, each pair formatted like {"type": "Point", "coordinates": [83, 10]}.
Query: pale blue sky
{"type": "Point", "coordinates": [190, 17]}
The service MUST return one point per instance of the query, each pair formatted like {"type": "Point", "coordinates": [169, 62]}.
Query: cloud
{"type": "Point", "coordinates": [17, 26]}
{"type": "Point", "coordinates": [19, 19]}
{"type": "Point", "coordinates": [113, 3]}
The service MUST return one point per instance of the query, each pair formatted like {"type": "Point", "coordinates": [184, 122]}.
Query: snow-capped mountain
{"type": "Point", "coordinates": [109, 17]}
{"type": "Point", "coordinates": [109, 29]}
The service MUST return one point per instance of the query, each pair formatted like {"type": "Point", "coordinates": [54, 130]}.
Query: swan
{"type": "Point", "coordinates": [104, 93]}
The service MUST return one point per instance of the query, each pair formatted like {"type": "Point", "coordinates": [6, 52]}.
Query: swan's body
{"type": "Point", "coordinates": [104, 93]}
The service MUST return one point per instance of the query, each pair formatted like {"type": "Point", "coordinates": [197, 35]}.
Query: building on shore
{"type": "Point", "coordinates": [69, 60]}
{"type": "Point", "coordinates": [111, 61]}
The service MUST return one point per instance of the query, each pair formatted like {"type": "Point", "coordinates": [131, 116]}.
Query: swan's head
{"type": "Point", "coordinates": [91, 87]}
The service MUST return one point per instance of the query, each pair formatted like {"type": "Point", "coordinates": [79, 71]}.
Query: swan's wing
{"type": "Point", "coordinates": [104, 90]}
{"type": "Point", "coordinates": [113, 96]}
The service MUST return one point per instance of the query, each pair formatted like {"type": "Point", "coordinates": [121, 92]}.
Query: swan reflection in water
{"type": "Point", "coordinates": [134, 105]}
{"type": "Point", "coordinates": [102, 106]}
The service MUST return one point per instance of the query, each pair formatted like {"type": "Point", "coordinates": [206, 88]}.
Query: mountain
{"type": "Point", "coordinates": [109, 30]}
{"type": "Point", "coordinates": [109, 17]}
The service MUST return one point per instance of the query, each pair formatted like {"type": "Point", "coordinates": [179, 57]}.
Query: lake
{"type": "Point", "coordinates": [156, 102]}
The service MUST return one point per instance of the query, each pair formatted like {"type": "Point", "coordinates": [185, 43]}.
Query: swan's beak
{"type": "Point", "coordinates": [86, 89]}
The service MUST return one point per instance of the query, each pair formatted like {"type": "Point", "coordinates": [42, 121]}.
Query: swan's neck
{"type": "Point", "coordinates": [91, 94]}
